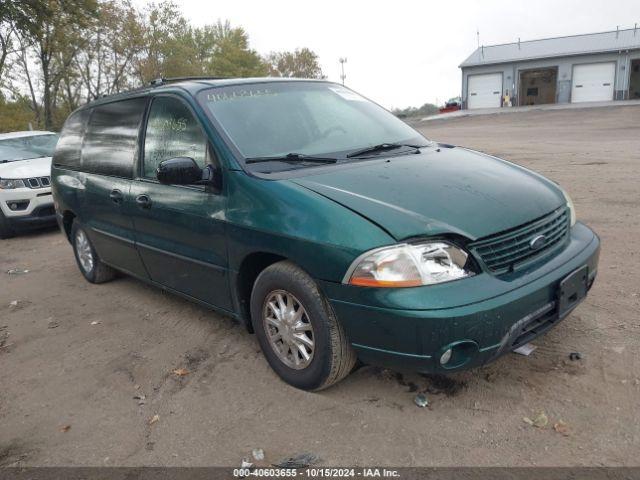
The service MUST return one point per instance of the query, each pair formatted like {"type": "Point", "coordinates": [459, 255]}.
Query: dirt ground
{"type": "Point", "coordinates": [75, 355]}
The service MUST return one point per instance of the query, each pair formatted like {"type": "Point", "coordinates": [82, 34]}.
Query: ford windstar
{"type": "Point", "coordinates": [320, 221]}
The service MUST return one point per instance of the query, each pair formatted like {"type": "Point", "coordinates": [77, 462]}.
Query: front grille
{"type": "Point", "coordinates": [504, 252]}
{"type": "Point", "coordinates": [38, 182]}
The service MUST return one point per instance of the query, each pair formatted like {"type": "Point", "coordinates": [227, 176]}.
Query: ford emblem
{"type": "Point", "coordinates": [538, 242]}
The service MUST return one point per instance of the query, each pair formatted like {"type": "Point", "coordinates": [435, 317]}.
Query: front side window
{"type": "Point", "coordinates": [172, 132]}
{"type": "Point", "coordinates": [307, 118]}
{"type": "Point", "coordinates": [112, 137]}
{"type": "Point", "coordinates": [27, 147]}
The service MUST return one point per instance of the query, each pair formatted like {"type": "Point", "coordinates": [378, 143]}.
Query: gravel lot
{"type": "Point", "coordinates": [75, 355]}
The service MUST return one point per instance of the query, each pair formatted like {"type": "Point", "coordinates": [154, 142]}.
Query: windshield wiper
{"type": "Point", "coordinates": [291, 157]}
{"type": "Point", "coordinates": [383, 147]}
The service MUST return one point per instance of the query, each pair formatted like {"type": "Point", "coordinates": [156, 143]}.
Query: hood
{"type": "Point", "coordinates": [34, 167]}
{"type": "Point", "coordinates": [446, 190]}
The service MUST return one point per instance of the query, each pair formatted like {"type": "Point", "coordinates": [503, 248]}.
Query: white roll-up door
{"type": "Point", "coordinates": [593, 82]}
{"type": "Point", "coordinates": [484, 91]}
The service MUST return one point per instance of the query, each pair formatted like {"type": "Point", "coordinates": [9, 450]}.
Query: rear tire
{"type": "Point", "coordinates": [290, 317]}
{"type": "Point", "coordinates": [88, 261]}
{"type": "Point", "coordinates": [5, 230]}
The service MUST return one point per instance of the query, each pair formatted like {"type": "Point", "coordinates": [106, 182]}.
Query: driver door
{"type": "Point", "coordinates": [179, 229]}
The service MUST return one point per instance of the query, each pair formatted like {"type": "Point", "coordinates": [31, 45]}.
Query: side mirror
{"type": "Point", "coordinates": [179, 171]}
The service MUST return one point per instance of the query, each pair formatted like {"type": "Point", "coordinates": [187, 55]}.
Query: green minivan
{"type": "Point", "coordinates": [321, 222]}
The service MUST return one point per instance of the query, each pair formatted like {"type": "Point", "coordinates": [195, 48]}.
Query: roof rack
{"type": "Point", "coordinates": [156, 83]}
{"type": "Point", "coordinates": [161, 80]}
{"type": "Point", "coordinates": [123, 92]}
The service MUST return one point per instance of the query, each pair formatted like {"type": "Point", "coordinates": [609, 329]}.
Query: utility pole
{"type": "Point", "coordinates": [342, 61]}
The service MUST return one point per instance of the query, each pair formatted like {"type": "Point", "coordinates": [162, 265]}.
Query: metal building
{"type": "Point", "coordinates": [579, 68]}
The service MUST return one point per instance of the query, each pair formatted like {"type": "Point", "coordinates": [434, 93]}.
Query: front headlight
{"type": "Point", "coordinates": [570, 206]}
{"type": "Point", "coordinates": [10, 184]}
{"type": "Point", "coordinates": [409, 265]}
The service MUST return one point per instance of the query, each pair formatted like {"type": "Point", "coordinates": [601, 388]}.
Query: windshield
{"type": "Point", "coordinates": [24, 148]}
{"type": "Point", "coordinates": [305, 118]}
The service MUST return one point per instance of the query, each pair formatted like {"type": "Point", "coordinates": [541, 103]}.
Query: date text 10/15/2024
{"type": "Point", "coordinates": [316, 473]}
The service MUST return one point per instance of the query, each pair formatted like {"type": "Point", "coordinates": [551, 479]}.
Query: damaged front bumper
{"type": "Point", "coordinates": [478, 319]}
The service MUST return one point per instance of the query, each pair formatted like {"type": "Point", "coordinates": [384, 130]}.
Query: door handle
{"type": "Point", "coordinates": [143, 201]}
{"type": "Point", "coordinates": [116, 196]}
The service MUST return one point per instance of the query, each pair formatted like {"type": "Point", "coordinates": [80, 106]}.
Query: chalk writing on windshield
{"type": "Point", "coordinates": [239, 93]}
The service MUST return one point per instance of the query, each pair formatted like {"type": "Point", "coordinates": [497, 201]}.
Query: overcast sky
{"type": "Point", "coordinates": [405, 53]}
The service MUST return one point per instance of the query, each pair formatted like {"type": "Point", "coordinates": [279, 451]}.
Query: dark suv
{"type": "Point", "coordinates": [322, 222]}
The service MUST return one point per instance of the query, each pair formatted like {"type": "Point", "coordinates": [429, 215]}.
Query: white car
{"type": "Point", "coordinates": [25, 181]}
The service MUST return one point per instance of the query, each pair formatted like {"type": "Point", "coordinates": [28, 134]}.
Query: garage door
{"type": "Point", "coordinates": [484, 90]}
{"type": "Point", "coordinates": [593, 82]}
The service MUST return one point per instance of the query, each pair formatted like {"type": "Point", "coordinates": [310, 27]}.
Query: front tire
{"type": "Point", "coordinates": [88, 261]}
{"type": "Point", "coordinates": [299, 334]}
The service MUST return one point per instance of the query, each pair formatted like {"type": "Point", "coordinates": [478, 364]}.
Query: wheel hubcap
{"type": "Point", "coordinates": [85, 256]}
{"type": "Point", "coordinates": [288, 329]}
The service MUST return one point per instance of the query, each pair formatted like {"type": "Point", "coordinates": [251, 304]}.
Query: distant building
{"type": "Point", "coordinates": [579, 68]}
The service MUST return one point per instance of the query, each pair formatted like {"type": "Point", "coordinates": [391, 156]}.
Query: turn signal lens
{"type": "Point", "coordinates": [409, 265]}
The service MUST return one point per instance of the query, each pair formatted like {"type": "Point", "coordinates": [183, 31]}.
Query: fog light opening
{"type": "Point", "coordinates": [446, 356]}
{"type": "Point", "coordinates": [17, 205]}
{"type": "Point", "coordinates": [457, 354]}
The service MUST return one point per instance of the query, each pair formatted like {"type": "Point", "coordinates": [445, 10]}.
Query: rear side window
{"type": "Point", "coordinates": [172, 131]}
{"type": "Point", "coordinates": [67, 152]}
{"type": "Point", "coordinates": [111, 138]}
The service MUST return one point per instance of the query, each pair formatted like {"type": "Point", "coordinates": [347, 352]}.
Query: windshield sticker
{"type": "Point", "coordinates": [237, 94]}
{"type": "Point", "coordinates": [347, 94]}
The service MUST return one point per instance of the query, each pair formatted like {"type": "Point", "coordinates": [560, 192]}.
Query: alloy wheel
{"type": "Point", "coordinates": [288, 329]}
{"type": "Point", "coordinates": [85, 255]}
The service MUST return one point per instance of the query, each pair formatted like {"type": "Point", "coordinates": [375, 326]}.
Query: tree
{"type": "Point", "coordinates": [52, 39]}
{"type": "Point", "coordinates": [167, 44]}
{"type": "Point", "coordinates": [15, 115]}
{"type": "Point", "coordinates": [6, 45]}
{"type": "Point", "coordinates": [17, 17]}
{"type": "Point", "coordinates": [24, 15]}
{"type": "Point", "coordinates": [231, 55]}
{"type": "Point", "coordinates": [301, 63]}
{"type": "Point", "coordinates": [173, 48]}
{"type": "Point", "coordinates": [57, 54]}
{"type": "Point", "coordinates": [105, 64]}
{"type": "Point", "coordinates": [424, 110]}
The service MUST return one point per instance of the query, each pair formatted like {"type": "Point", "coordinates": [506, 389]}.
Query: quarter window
{"type": "Point", "coordinates": [68, 149]}
{"type": "Point", "coordinates": [111, 138]}
{"type": "Point", "coordinates": [172, 131]}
